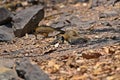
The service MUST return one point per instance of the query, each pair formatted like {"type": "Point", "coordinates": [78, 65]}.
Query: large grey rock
{"type": "Point", "coordinates": [27, 19]}
{"type": "Point", "coordinates": [5, 16]}
{"type": "Point", "coordinates": [6, 33]}
{"type": "Point", "coordinates": [27, 71]}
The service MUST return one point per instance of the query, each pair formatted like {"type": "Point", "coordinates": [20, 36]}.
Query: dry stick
{"type": "Point", "coordinates": [53, 15]}
{"type": "Point", "coordinates": [58, 13]}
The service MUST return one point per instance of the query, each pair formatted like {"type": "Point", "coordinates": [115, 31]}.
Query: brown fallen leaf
{"type": "Point", "coordinates": [91, 55]}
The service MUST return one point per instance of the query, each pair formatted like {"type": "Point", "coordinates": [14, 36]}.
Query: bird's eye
{"type": "Point", "coordinates": [62, 38]}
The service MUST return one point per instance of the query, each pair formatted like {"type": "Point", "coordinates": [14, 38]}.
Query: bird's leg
{"type": "Point", "coordinates": [36, 36]}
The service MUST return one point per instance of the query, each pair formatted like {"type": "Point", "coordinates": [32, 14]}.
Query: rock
{"type": "Point", "coordinates": [84, 24]}
{"type": "Point", "coordinates": [60, 24]}
{"type": "Point", "coordinates": [112, 2]}
{"type": "Point", "coordinates": [5, 16]}
{"type": "Point", "coordinates": [96, 3]}
{"type": "Point", "coordinates": [83, 0]}
{"type": "Point", "coordinates": [8, 74]}
{"type": "Point", "coordinates": [34, 2]}
{"type": "Point", "coordinates": [106, 23]}
{"type": "Point", "coordinates": [25, 20]}
{"type": "Point", "coordinates": [75, 41]}
{"type": "Point", "coordinates": [28, 71]}
{"type": "Point", "coordinates": [116, 23]}
{"type": "Point", "coordinates": [8, 63]}
{"type": "Point", "coordinates": [6, 33]}
{"type": "Point", "coordinates": [4, 36]}
{"type": "Point", "coordinates": [107, 14]}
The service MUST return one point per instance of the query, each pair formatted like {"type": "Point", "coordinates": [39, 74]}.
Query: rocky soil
{"type": "Point", "coordinates": [25, 58]}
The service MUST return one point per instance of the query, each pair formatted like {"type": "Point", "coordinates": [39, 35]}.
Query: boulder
{"type": "Point", "coordinates": [5, 16]}
{"type": "Point", "coordinates": [25, 20]}
{"type": "Point", "coordinates": [28, 71]}
{"type": "Point", "coordinates": [6, 33]}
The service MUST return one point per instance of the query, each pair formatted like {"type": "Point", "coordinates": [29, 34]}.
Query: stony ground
{"type": "Point", "coordinates": [97, 59]}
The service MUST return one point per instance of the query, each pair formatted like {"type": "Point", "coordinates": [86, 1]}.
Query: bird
{"type": "Point", "coordinates": [45, 30]}
{"type": "Point", "coordinates": [70, 36]}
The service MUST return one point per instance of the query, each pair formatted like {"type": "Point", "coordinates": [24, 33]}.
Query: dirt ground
{"type": "Point", "coordinates": [97, 59]}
